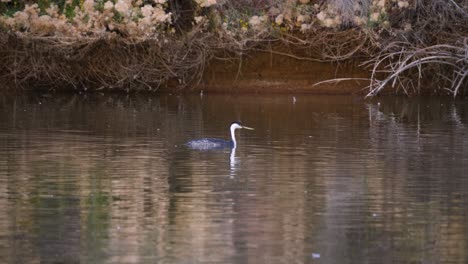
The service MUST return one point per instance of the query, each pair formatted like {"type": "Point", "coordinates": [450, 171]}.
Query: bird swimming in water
{"type": "Point", "coordinates": [214, 143]}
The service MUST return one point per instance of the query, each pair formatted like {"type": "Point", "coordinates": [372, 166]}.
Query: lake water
{"type": "Point", "coordinates": [321, 179]}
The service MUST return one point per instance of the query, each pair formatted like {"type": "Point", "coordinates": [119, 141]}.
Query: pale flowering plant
{"type": "Point", "coordinates": [206, 3]}
{"type": "Point", "coordinates": [131, 18]}
{"type": "Point", "coordinates": [149, 18]}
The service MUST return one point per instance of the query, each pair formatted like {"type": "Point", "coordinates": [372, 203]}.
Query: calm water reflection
{"type": "Point", "coordinates": [321, 180]}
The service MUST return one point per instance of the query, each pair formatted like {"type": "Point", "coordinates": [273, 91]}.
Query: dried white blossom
{"type": "Point", "coordinates": [88, 6]}
{"type": "Point", "coordinates": [408, 27]}
{"type": "Point", "coordinates": [256, 21]}
{"type": "Point", "coordinates": [374, 16]}
{"type": "Point", "coordinates": [122, 6]}
{"type": "Point", "coordinates": [279, 19]}
{"type": "Point", "coordinates": [305, 27]}
{"type": "Point", "coordinates": [53, 10]}
{"type": "Point", "coordinates": [108, 5]}
{"type": "Point", "coordinates": [147, 10]}
{"type": "Point", "coordinates": [302, 18]}
{"type": "Point", "coordinates": [198, 19]}
{"type": "Point", "coordinates": [329, 22]}
{"type": "Point", "coordinates": [321, 16]}
{"type": "Point", "coordinates": [206, 3]}
{"type": "Point", "coordinates": [159, 15]}
{"type": "Point", "coordinates": [386, 24]}
{"type": "Point", "coordinates": [403, 4]}
{"type": "Point", "coordinates": [359, 21]}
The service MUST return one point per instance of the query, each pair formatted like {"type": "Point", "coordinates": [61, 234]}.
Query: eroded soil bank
{"type": "Point", "coordinates": [112, 65]}
{"type": "Point", "coordinates": [270, 72]}
{"type": "Point", "coordinates": [107, 65]}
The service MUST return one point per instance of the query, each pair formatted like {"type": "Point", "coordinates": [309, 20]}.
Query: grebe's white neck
{"type": "Point", "coordinates": [233, 128]}
{"type": "Point", "coordinates": [233, 134]}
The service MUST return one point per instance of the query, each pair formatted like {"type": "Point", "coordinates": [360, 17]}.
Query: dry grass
{"type": "Point", "coordinates": [102, 63]}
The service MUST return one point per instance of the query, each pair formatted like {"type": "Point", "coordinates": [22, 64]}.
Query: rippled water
{"type": "Point", "coordinates": [107, 179]}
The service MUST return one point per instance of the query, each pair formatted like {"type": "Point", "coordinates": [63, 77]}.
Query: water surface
{"type": "Point", "coordinates": [107, 179]}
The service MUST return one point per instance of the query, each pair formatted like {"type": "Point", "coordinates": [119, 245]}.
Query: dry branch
{"type": "Point", "coordinates": [448, 64]}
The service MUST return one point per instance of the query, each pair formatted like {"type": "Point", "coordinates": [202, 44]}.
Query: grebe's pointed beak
{"type": "Point", "coordinates": [249, 128]}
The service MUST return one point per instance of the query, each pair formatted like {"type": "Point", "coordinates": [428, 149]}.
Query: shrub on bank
{"type": "Point", "coordinates": [404, 40]}
{"type": "Point", "coordinates": [149, 18]}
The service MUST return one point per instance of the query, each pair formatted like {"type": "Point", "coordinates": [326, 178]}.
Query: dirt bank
{"type": "Point", "coordinates": [111, 65]}
{"type": "Point", "coordinates": [269, 72]}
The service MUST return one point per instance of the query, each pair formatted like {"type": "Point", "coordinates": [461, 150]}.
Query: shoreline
{"type": "Point", "coordinates": [317, 47]}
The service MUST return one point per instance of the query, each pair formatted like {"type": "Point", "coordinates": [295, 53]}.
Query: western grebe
{"type": "Point", "coordinates": [214, 143]}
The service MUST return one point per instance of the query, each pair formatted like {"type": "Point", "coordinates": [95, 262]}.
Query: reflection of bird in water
{"type": "Point", "coordinates": [233, 163]}
{"type": "Point", "coordinates": [214, 143]}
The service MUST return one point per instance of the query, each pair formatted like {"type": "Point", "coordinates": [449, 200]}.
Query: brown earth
{"type": "Point", "coordinates": [266, 72]}
{"type": "Point", "coordinates": [283, 69]}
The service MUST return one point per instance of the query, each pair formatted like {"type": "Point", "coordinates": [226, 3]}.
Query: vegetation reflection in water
{"type": "Point", "coordinates": [331, 179]}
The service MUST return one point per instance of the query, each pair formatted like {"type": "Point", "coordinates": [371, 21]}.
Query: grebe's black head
{"type": "Point", "coordinates": [237, 125]}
